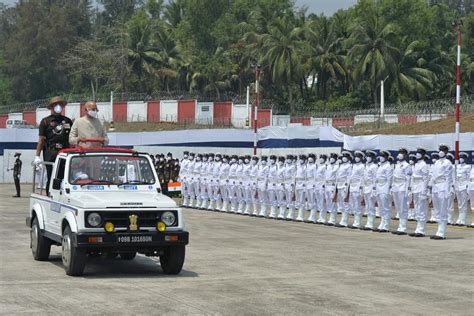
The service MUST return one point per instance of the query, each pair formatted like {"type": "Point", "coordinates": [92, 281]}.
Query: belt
{"type": "Point", "coordinates": [300, 178]}
{"type": "Point", "coordinates": [399, 180]}
{"type": "Point", "coordinates": [233, 177]}
{"type": "Point", "coordinates": [380, 181]}
{"type": "Point", "coordinates": [440, 180]}
{"type": "Point", "coordinates": [330, 182]}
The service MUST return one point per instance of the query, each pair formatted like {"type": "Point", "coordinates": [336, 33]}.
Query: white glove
{"type": "Point", "coordinates": [37, 161]}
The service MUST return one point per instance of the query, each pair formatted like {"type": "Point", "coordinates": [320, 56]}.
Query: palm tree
{"type": "Point", "coordinates": [412, 79]}
{"type": "Point", "coordinates": [373, 51]}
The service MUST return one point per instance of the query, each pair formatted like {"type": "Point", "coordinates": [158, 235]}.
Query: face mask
{"type": "Point", "coordinates": [382, 159]}
{"type": "Point", "coordinates": [191, 158]}
{"type": "Point", "coordinates": [310, 160]}
{"type": "Point", "coordinates": [411, 162]}
{"type": "Point", "coordinates": [280, 163]}
{"type": "Point", "coordinates": [168, 158]}
{"type": "Point", "coordinates": [461, 160]}
{"type": "Point", "coordinates": [204, 159]}
{"type": "Point", "coordinates": [57, 108]}
{"type": "Point", "coordinates": [400, 157]}
{"type": "Point", "coordinates": [434, 160]}
{"type": "Point", "coordinates": [357, 159]}
{"type": "Point", "coordinates": [218, 159]}
{"type": "Point", "coordinates": [246, 161]}
{"type": "Point", "coordinates": [92, 113]}
{"type": "Point", "coordinates": [198, 158]}
{"type": "Point", "coordinates": [161, 159]}
{"type": "Point", "coordinates": [240, 161]}
{"type": "Point", "coordinates": [289, 161]}
{"type": "Point", "coordinates": [369, 159]}
{"type": "Point", "coordinates": [419, 156]}
{"type": "Point", "coordinates": [185, 156]}
{"type": "Point", "coordinates": [254, 162]}
{"type": "Point", "coordinates": [224, 160]}
{"type": "Point", "coordinates": [332, 160]}
{"type": "Point", "coordinates": [272, 161]}
{"type": "Point", "coordinates": [264, 162]}
{"type": "Point", "coordinates": [344, 159]}
{"type": "Point", "coordinates": [441, 154]}
{"type": "Point", "coordinates": [211, 159]}
{"type": "Point", "coordinates": [322, 161]}
{"type": "Point", "coordinates": [233, 160]}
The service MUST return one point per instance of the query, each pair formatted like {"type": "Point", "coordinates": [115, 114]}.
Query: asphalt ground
{"type": "Point", "coordinates": [237, 265]}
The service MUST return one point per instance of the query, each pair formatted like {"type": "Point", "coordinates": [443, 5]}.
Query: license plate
{"type": "Point", "coordinates": [134, 239]}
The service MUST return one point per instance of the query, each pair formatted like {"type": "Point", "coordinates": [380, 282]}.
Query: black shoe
{"type": "Point", "coordinates": [436, 237]}
{"type": "Point", "coordinates": [412, 234]}
{"type": "Point", "coordinates": [352, 227]}
{"type": "Point", "coordinates": [384, 231]}
{"type": "Point", "coordinates": [419, 235]}
{"type": "Point", "coordinates": [339, 225]}
{"type": "Point", "coordinates": [17, 196]}
{"type": "Point", "coordinates": [329, 224]}
{"type": "Point", "coordinates": [396, 232]}
{"type": "Point", "coordinates": [365, 228]}
{"type": "Point", "coordinates": [376, 230]}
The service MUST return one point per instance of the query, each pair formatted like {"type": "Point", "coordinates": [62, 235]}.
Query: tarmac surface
{"type": "Point", "coordinates": [237, 265]}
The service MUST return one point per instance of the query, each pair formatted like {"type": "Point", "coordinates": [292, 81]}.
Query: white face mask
{"type": "Point", "coordinates": [302, 162]}
{"type": "Point", "coordinates": [419, 156]}
{"type": "Point", "coordinates": [185, 156]}
{"type": "Point", "coordinates": [247, 161]}
{"type": "Point", "coordinates": [254, 162]}
{"type": "Point", "coordinates": [332, 160]}
{"type": "Point", "coordinates": [461, 160]}
{"type": "Point", "coordinates": [272, 161]}
{"type": "Point", "coordinates": [344, 159]}
{"type": "Point", "coordinates": [441, 154]}
{"type": "Point", "coordinates": [357, 159]}
{"type": "Point", "coordinates": [191, 157]}
{"type": "Point", "coordinates": [289, 161]}
{"type": "Point", "coordinates": [198, 158]}
{"type": "Point", "coordinates": [218, 159]}
{"type": "Point", "coordinates": [204, 159]}
{"type": "Point", "coordinates": [264, 162]}
{"type": "Point", "coordinates": [321, 160]}
{"type": "Point", "coordinates": [369, 159]}
{"type": "Point", "coordinates": [240, 161]}
{"type": "Point", "coordinates": [211, 159]}
{"type": "Point", "coordinates": [162, 159]}
{"type": "Point", "coordinates": [434, 160]}
{"type": "Point", "coordinates": [224, 160]}
{"type": "Point", "coordinates": [233, 160]}
{"type": "Point", "coordinates": [382, 159]}
{"type": "Point", "coordinates": [400, 156]}
{"type": "Point", "coordinates": [57, 108]}
{"type": "Point", "coordinates": [280, 163]}
{"type": "Point", "coordinates": [411, 162]}
{"type": "Point", "coordinates": [310, 160]}
{"type": "Point", "coordinates": [92, 113]}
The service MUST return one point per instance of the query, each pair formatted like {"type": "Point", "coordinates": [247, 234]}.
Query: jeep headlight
{"type": "Point", "coordinates": [168, 218]}
{"type": "Point", "coordinates": [94, 219]}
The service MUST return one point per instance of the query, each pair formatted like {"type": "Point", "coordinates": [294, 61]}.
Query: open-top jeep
{"type": "Point", "coordinates": [107, 202]}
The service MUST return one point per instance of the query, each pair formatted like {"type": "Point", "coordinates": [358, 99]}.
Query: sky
{"type": "Point", "coordinates": [328, 7]}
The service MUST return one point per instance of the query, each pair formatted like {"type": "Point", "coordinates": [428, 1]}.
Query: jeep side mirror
{"type": "Point", "coordinates": [57, 184]}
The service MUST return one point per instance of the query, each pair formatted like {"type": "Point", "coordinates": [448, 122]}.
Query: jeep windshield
{"type": "Point", "coordinates": [110, 170]}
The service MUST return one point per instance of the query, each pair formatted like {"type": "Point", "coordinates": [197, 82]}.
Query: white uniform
{"type": "Point", "coordinates": [246, 181]}
{"type": "Point", "coordinates": [330, 191]}
{"type": "Point", "coordinates": [300, 190]}
{"type": "Point", "coordinates": [471, 191]}
{"type": "Point", "coordinates": [400, 184]}
{"type": "Point", "coordinates": [370, 194]}
{"type": "Point", "coordinates": [204, 184]}
{"type": "Point", "coordinates": [224, 185]}
{"type": "Point", "coordinates": [419, 188]}
{"type": "Point", "coordinates": [311, 169]}
{"type": "Point", "coordinates": [233, 187]}
{"type": "Point", "coordinates": [356, 181]}
{"type": "Point", "coordinates": [216, 184]}
{"type": "Point", "coordinates": [262, 180]}
{"type": "Point", "coordinates": [240, 187]}
{"type": "Point", "coordinates": [281, 190]}
{"type": "Point", "coordinates": [441, 182]}
{"type": "Point", "coordinates": [319, 190]}
{"type": "Point", "coordinates": [342, 177]}
{"type": "Point", "coordinates": [183, 178]}
{"type": "Point", "coordinates": [433, 217]}
{"type": "Point", "coordinates": [274, 185]}
{"type": "Point", "coordinates": [383, 184]}
{"type": "Point", "coordinates": [461, 186]}
{"type": "Point", "coordinates": [253, 180]}
{"type": "Point", "coordinates": [452, 194]}
{"type": "Point", "coordinates": [289, 176]}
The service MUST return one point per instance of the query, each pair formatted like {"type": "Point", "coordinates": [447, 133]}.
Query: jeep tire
{"type": "Point", "coordinates": [74, 259]}
{"type": "Point", "coordinates": [173, 259]}
{"type": "Point", "coordinates": [40, 245]}
{"type": "Point", "coordinates": [127, 255]}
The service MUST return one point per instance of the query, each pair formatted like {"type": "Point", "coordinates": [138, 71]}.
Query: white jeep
{"type": "Point", "coordinates": [107, 202]}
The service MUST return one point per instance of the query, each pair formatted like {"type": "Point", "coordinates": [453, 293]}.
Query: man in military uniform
{"type": "Point", "coordinates": [17, 173]}
{"type": "Point", "coordinates": [53, 135]}
{"type": "Point", "coordinates": [167, 173]}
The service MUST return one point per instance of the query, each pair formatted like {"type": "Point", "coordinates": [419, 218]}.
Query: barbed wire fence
{"type": "Point", "coordinates": [430, 110]}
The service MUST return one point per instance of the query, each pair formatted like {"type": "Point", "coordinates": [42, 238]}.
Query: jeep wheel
{"type": "Point", "coordinates": [173, 259]}
{"type": "Point", "coordinates": [74, 259]}
{"type": "Point", "coordinates": [128, 255]}
{"type": "Point", "coordinates": [40, 245]}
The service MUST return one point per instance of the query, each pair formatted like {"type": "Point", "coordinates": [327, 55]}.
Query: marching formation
{"type": "Point", "coordinates": [358, 184]}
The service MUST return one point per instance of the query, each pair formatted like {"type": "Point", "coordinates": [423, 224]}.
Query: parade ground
{"type": "Point", "coordinates": [237, 265]}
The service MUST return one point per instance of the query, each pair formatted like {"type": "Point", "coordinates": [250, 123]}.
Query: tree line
{"type": "Point", "coordinates": [308, 61]}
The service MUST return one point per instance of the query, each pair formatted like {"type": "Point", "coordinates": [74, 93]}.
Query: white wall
{"type": "Point", "coordinates": [105, 111]}
{"type": "Point", "coordinates": [41, 113]}
{"type": "Point", "coordinates": [137, 111]}
{"type": "Point", "coordinates": [239, 115]}
{"type": "Point", "coordinates": [15, 116]}
{"type": "Point", "coordinates": [73, 110]}
{"type": "Point", "coordinates": [205, 113]}
{"type": "Point", "coordinates": [430, 117]}
{"type": "Point", "coordinates": [358, 119]}
{"type": "Point", "coordinates": [169, 111]}
{"type": "Point", "coordinates": [280, 120]}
